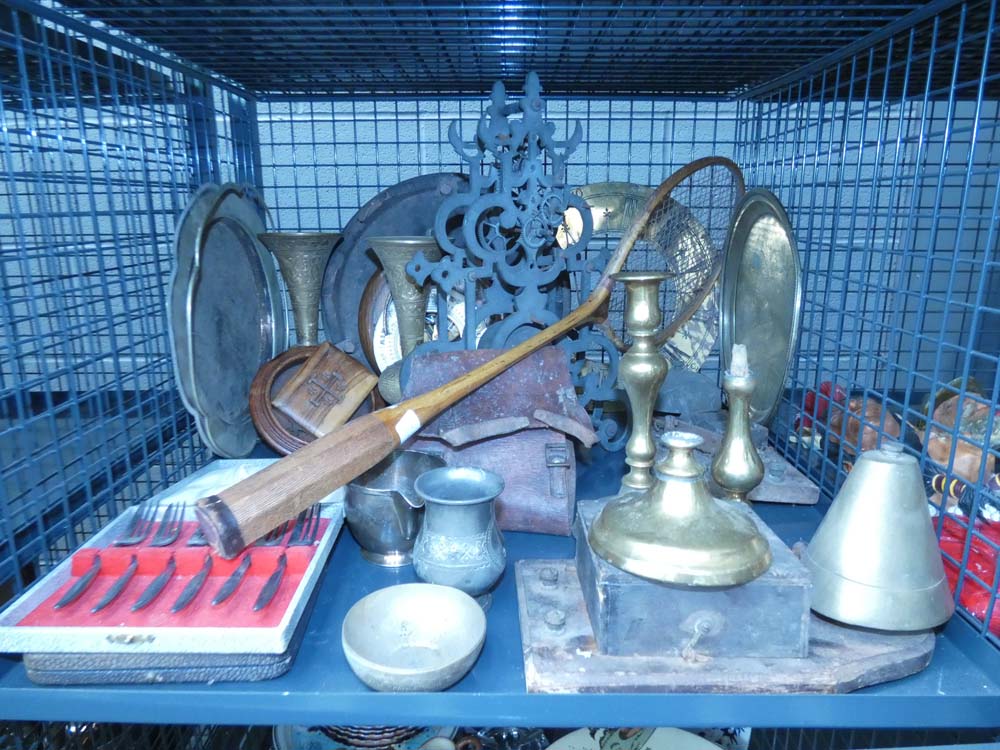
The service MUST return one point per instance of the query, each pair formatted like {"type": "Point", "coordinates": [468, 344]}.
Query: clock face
{"type": "Point", "coordinates": [380, 315]}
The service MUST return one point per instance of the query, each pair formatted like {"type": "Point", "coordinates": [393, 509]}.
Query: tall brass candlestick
{"type": "Point", "coordinates": [302, 258]}
{"type": "Point", "coordinates": [642, 371]}
{"type": "Point", "coordinates": [737, 467]}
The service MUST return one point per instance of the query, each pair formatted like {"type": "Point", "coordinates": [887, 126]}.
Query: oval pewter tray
{"type": "Point", "coordinates": [217, 340]}
{"type": "Point", "coordinates": [189, 227]}
{"type": "Point", "coordinates": [761, 296]}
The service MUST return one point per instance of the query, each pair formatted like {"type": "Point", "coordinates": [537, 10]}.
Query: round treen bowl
{"type": "Point", "coordinates": [413, 637]}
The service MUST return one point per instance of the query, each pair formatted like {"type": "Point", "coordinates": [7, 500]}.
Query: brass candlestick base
{"type": "Point", "coordinates": [302, 258]}
{"type": "Point", "coordinates": [641, 372]}
{"type": "Point", "coordinates": [676, 532]}
{"type": "Point", "coordinates": [737, 467]}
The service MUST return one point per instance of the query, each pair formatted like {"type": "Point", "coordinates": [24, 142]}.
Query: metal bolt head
{"type": "Point", "coordinates": [555, 619]}
{"type": "Point", "coordinates": [549, 576]}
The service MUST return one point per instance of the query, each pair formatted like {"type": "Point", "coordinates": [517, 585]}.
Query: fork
{"type": "Point", "coordinates": [197, 539]}
{"type": "Point", "coordinates": [303, 535]}
{"type": "Point", "coordinates": [170, 526]}
{"type": "Point", "coordinates": [274, 536]}
{"type": "Point", "coordinates": [307, 528]}
{"type": "Point", "coordinates": [140, 525]}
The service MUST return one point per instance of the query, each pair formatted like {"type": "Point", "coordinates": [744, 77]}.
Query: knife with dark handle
{"type": "Point", "coordinates": [76, 591]}
{"type": "Point", "coordinates": [118, 586]}
{"type": "Point", "coordinates": [233, 582]}
{"type": "Point", "coordinates": [153, 590]}
{"type": "Point", "coordinates": [271, 587]}
{"type": "Point", "coordinates": [193, 586]}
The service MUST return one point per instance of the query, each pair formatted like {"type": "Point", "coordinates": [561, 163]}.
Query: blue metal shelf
{"type": "Point", "coordinates": [956, 690]}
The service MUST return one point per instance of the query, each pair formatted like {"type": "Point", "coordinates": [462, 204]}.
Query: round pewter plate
{"type": "Point", "coordinates": [222, 435]}
{"type": "Point", "coordinates": [761, 296]}
{"type": "Point", "coordinates": [232, 305]}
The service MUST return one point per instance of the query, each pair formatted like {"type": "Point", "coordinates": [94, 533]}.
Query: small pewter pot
{"type": "Point", "coordinates": [460, 544]}
{"type": "Point", "coordinates": [382, 509]}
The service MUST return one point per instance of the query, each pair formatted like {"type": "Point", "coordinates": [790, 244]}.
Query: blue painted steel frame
{"type": "Point", "coordinates": [816, 118]}
{"type": "Point", "coordinates": [956, 690]}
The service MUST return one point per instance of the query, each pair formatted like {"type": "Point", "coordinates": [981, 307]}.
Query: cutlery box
{"type": "Point", "coordinates": [202, 642]}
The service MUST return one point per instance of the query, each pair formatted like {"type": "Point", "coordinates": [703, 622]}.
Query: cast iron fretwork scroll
{"type": "Point", "coordinates": [500, 250]}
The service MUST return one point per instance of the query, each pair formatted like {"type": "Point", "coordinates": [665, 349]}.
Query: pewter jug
{"type": "Point", "coordinates": [383, 511]}
{"type": "Point", "coordinates": [459, 543]}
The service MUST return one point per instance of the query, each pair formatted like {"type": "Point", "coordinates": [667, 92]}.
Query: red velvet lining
{"type": "Point", "coordinates": [235, 612]}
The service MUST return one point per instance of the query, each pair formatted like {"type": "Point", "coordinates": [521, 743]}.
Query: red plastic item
{"type": "Point", "coordinates": [235, 612]}
{"type": "Point", "coordinates": [982, 562]}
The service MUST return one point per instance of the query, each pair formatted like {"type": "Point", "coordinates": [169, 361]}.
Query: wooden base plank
{"type": "Point", "coordinates": [561, 656]}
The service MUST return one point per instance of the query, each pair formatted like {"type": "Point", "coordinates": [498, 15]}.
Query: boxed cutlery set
{"type": "Point", "coordinates": [147, 600]}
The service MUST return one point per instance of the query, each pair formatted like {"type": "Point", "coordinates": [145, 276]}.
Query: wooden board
{"type": "Point", "coordinates": [326, 391]}
{"type": "Point", "coordinates": [561, 656]}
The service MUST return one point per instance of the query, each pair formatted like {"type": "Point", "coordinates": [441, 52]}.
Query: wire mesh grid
{"type": "Point", "coordinates": [89, 736]}
{"type": "Point", "coordinates": [887, 160]}
{"type": "Point", "coordinates": [858, 739]}
{"type": "Point", "coordinates": [889, 164]}
{"type": "Point", "coordinates": [101, 147]}
{"type": "Point", "coordinates": [639, 47]}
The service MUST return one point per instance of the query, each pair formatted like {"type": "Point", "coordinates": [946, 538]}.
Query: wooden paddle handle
{"type": "Point", "coordinates": [233, 518]}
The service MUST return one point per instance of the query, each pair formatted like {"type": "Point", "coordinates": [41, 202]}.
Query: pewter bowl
{"type": "Point", "coordinates": [413, 637]}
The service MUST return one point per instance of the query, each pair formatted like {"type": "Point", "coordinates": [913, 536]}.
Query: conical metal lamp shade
{"type": "Point", "coordinates": [676, 532]}
{"type": "Point", "coordinates": [874, 559]}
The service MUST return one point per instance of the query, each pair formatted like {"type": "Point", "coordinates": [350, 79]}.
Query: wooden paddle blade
{"type": "Point", "coordinates": [326, 391]}
{"type": "Point", "coordinates": [235, 517]}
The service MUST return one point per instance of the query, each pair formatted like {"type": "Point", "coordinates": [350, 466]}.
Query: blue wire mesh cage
{"type": "Point", "coordinates": [875, 124]}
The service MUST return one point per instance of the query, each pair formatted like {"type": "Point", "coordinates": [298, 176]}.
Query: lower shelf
{"type": "Point", "coordinates": [959, 689]}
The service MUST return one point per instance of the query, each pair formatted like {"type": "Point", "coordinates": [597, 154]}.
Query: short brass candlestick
{"type": "Point", "coordinates": [302, 258]}
{"type": "Point", "coordinates": [737, 467]}
{"type": "Point", "coordinates": [676, 532]}
{"type": "Point", "coordinates": [642, 371]}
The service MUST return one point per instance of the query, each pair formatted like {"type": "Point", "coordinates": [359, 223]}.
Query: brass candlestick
{"type": "Point", "coordinates": [408, 298]}
{"type": "Point", "coordinates": [737, 467]}
{"type": "Point", "coordinates": [642, 371]}
{"type": "Point", "coordinates": [302, 258]}
{"type": "Point", "coordinates": [676, 532]}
